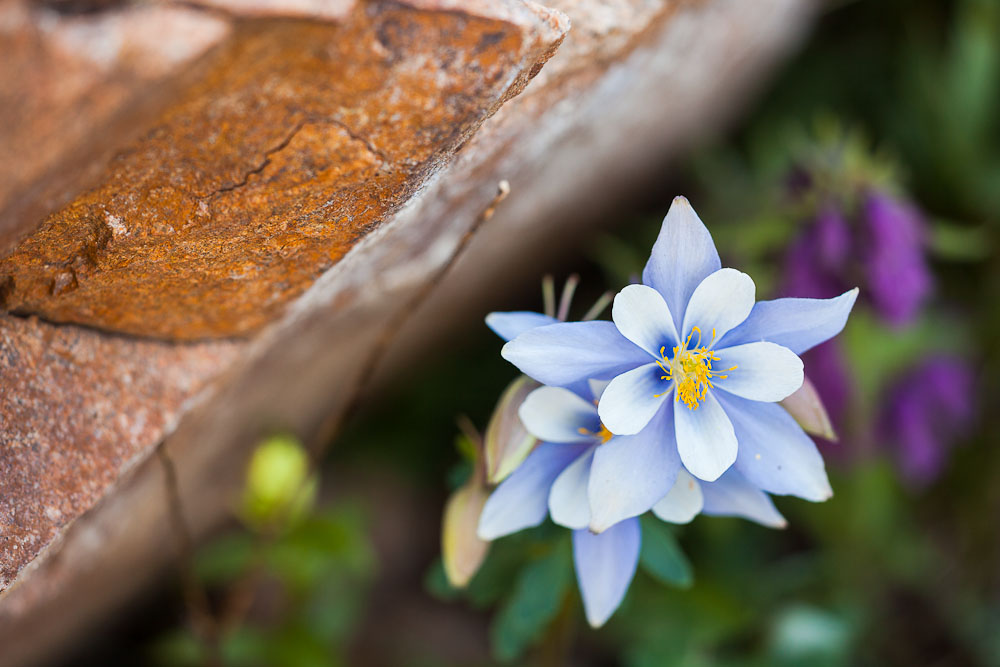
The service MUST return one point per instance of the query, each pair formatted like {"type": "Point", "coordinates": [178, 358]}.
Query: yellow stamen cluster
{"type": "Point", "coordinates": [690, 367]}
{"type": "Point", "coordinates": [603, 434]}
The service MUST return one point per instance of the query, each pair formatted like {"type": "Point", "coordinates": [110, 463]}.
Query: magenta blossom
{"type": "Point", "coordinates": [928, 411]}
{"type": "Point", "coordinates": [883, 248]}
{"type": "Point", "coordinates": [898, 278]}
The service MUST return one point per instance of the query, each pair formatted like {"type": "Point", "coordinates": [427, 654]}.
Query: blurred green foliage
{"type": "Point", "coordinates": [287, 590]}
{"type": "Point", "coordinates": [661, 556]}
{"type": "Point", "coordinates": [315, 578]}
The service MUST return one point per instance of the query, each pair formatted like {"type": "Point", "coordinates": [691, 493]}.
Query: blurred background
{"type": "Point", "coordinates": [872, 159]}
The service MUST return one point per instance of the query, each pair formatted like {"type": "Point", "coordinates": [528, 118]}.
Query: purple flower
{"type": "Point", "coordinates": [815, 262]}
{"type": "Point", "coordinates": [898, 278]}
{"type": "Point", "coordinates": [884, 246]}
{"type": "Point", "coordinates": [929, 409]}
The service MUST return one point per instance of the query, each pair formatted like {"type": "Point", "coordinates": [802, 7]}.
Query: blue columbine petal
{"type": "Point", "coordinates": [642, 316]}
{"type": "Point", "coordinates": [632, 472]}
{"type": "Point", "coordinates": [775, 453]}
{"type": "Point", "coordinates": [683, 255]}
{"type": "Point", "coordinates": [720, 302]}
{"type": "Point", "coordinates": [683, 502]}
{"type": "Point", "coordinates": [798, 324]}
{"type": "Point", "coordinates": [605, 565]}
{"type": "Point", "coordinates": [570, 352]}
{"type": "Point", "coordinates": [554, 414]}
{"type": "Point", "coordinates": [733, 495]}
{"type": "Point", "coordinates": [511, 325]}
{"type": "Point", "coordinates": [763, 371]}
{"type": "Point", "coordinates": [568, 503]}
{"type": "Point", "coordinates": [522, 500]}
{"type": "Point", "coordinates": [706, 441]}
{"type": "Point", "coordinates": [631, 399]}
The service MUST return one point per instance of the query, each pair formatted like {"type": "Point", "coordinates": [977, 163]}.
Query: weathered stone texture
{"type": "Point", "coordinates": [77, 410]}
{"type": "Point", "coordinates": [74, 85]}
{"type": "Point", "coordinates": [302, 137]}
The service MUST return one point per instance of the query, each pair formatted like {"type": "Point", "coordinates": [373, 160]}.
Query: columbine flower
{"type": "Point", "coordinates": [690, 355]}
{"type": "Point", "coordinates": [929, 409]}
{"type": "Point", "coordinates": [564, 477]}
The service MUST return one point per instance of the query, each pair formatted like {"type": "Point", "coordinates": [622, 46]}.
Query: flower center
{"type": "Point", "coordinates": [603, 434]}
{"type": "Point", "coordinates": [690, 368]}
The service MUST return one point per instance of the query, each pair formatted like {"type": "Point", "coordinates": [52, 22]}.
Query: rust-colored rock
{"type": "Point", "coordinates": [75, 85]}
{"type": "Point", "coordinates": [301, 138]}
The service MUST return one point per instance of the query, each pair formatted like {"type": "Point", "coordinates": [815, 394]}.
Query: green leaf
{"type": "Point", "coordinates": [332, 542]}
{"type": "Point", "coordinates": [179, 648]}
{"type": "Point", "coordinates": [960, 243]}
{"type": "Point", "coordinates": [468, 450]}
{"type": "Point", "coordinates": [506, 558]}
{"type": "Point", "coordinates": [661, 556]}
{"type": "Point", "coordinates": [225, 558]}
{"type": "Point", "coordinates": [538, 594]}
{"type": "Point", "coordinates": [334, 608]}
{"type": "Point", "coordinates": [809, 635]}
{"type": "Point", "coordinates": [294, 646]}
{"type": "Point", "coordinates": [243, 647]}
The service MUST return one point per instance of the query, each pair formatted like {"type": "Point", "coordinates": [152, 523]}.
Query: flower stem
{"type": "Point", "coordinates": [598, 307]}
{"type": "Point", "coordinates": [549, 295]}
{"type": "Point", "coordinates": [567, 297]}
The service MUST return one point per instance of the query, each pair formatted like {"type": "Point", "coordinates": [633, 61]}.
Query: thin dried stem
{"type": "Point", "coordinates": [598, 307]}
{"type": "Point", "coordinates": [203, 622]}
{"type": "Point", "coordinates": [567, 297]}
{"type": "Point", "coordinates": [549, 295]}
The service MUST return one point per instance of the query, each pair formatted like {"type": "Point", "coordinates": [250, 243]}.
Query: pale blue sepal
{"type": "Point", "coordinates": [683, 255]}
{"type": "Point", "coordinates": [632, 472]}
{"type": "Point", "coordinates": [571, 352]}
{"type": "Point", "coordinates": [733, 495]}
{"type": "Point", "coordinates": [522, 500]}
{"type": "Point", "coordinates": [775, 453]}
{"type": "Point", "coordinates": [605, 565]}
{"type": "Point", "coordinates": [568, 503]}
{"type": "Point", "coordinates": [798, 324]}
{"type": "Point", "coordinates": [510, 325]}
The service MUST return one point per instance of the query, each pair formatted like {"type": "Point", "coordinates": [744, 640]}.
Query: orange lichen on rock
{"type": "Point", "coordinates": [300, 138]}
